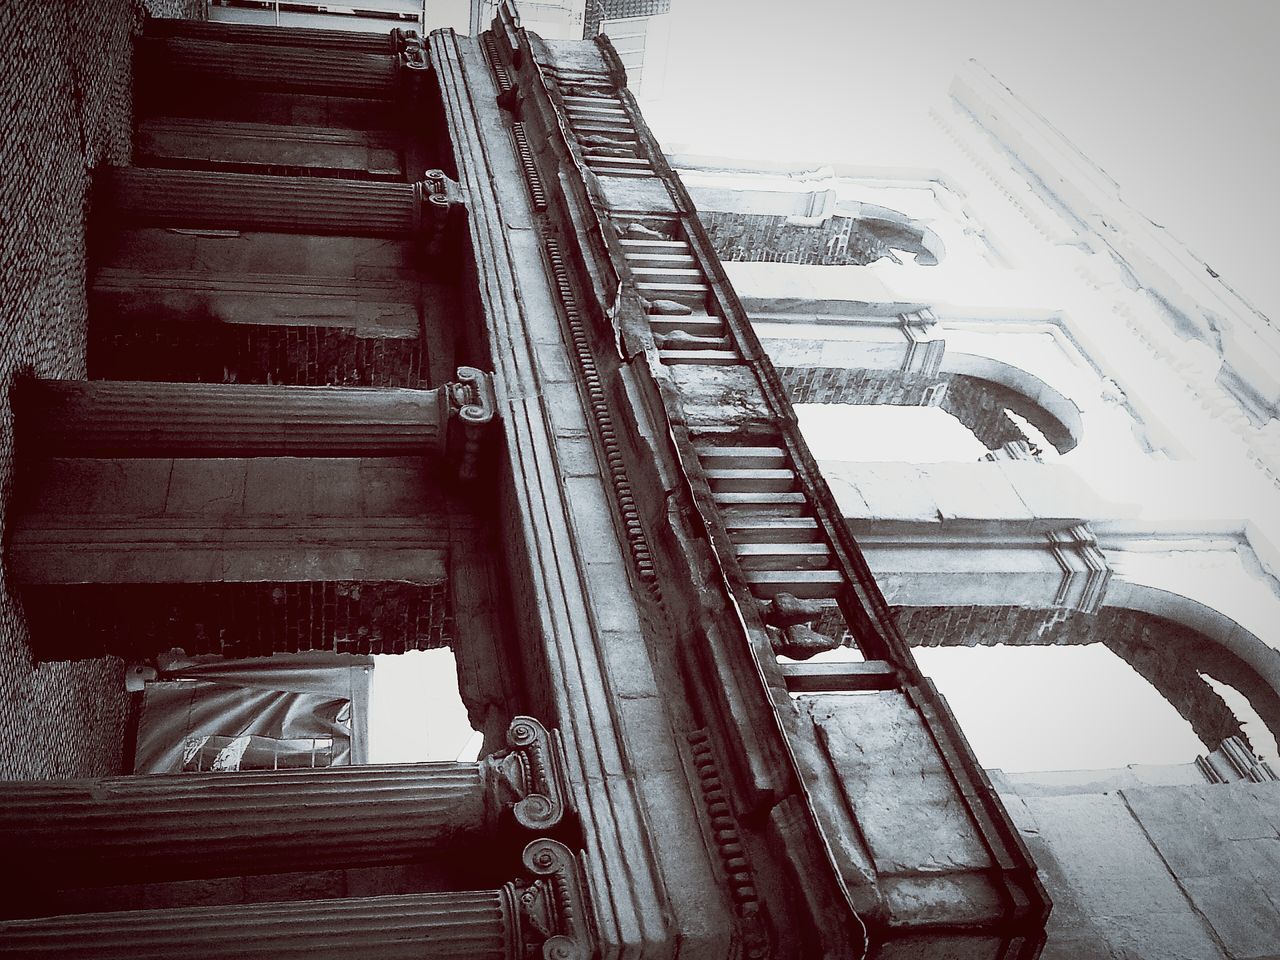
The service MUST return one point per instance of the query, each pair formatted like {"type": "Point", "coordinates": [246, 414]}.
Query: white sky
{"type": "Point", "coordinates": [1174, 99]}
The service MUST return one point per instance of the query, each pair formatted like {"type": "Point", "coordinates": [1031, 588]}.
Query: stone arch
{"type": "Point", "coordinates": [826, 355]}
{"type": "Point", "coordinates": [980, 403]}
{"type": "Point", "coordinates": [1011, 591]}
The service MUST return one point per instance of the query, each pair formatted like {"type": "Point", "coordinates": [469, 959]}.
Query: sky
{"type": "Point", "coordinates": [1174, 99]}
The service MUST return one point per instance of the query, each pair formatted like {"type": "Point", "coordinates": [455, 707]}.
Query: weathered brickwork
{"type": "Point", "coordinates": [241, 619]}
{"type": "Point", "coordinates": [195, 351]}
{"type": "Point", "coordinates": [66, 103]}
{"type": "Point", "coordinates": [835, 242]}
{"type": "Point", "coordinates": [983, 407]}
{"type": "Point", "coordinates": [598, 11]}
{"type": "Point", "coordinates": [854, 386]}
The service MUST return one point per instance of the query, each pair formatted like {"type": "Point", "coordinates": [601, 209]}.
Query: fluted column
{"type": "Point", "coordinates": [179, 826]}
{"type": "Point", "coordinates": [480, 925]}
{"type": "Point", "coordinates": [328, 70]}
{"type": "Point", "coordinates": [121, 418]}
{"type": "Point", "coordinates": [546, 916]}
{"type": "Point", "coordinates": [352, 41]}
{"type": "Point", "coordinates": [246, 201]}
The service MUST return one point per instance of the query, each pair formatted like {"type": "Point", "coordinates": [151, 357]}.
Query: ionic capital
{"type": "Point", "coordinates": [529, 776]}
{"type": "Point", "coordinates": [553, 909]}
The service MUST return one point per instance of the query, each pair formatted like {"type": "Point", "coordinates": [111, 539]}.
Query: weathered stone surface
{"type": "Point", "coordinates": [647, 194]}
{"type": "Point", "coordinates": [721, 398]}
{"type": "Point", "coordinates": [1243, 917]}
{"type": "Point", "coordinates": [895, 782]}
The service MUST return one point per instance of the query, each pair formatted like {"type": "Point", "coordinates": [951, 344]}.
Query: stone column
{"type": "Point", "coordinates": [351, 41]}
{"type": "Point", "coordinates": [274, 67]}
{"type": "Point", "coordinates": [246, 201]}
{"type": "Point", "coordinates": [480, 925]}
{"type": "Point", "coordinates": [543, 917]}
{"type": "Point", "coordinates": [120, 418]}
{"type": "Point", "coordinates": [224, 824]}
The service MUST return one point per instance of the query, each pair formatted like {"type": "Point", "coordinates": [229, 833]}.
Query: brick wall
{"type": "Point", "coordinates": [983, 407]}
{"type": "Point", "coordinates": [854, 386]}
{"type": "Point", "coordinates": [240, 619]}
{"type": "Point", "coordinates": [210, 352]}
{"type": "Point", "coordinates": [837, 241]}
{"type": "Point", "coordinates": [598, 11]}
{"type": "Point", "coordinates": [65, 99]}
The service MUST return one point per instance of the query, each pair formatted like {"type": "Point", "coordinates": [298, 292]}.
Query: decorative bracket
{"type": "Point", "coordinates": [473, 401]}
{"type": "Point", "coordinates": [410, 52]}
{"type": "Point", "coordinates": [530, 775]}
{"type": "Point", "coordinates": [553, 908]}
{"type": "Point", "coordinates": [436, 197]}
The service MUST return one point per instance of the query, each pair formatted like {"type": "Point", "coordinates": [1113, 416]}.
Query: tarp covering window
{"type": "Point", "coordinates": [267, 713]}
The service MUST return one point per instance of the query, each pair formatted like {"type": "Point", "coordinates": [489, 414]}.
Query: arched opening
{"type": "Point", "coordinates": [886, 433]}
{"type": "Point", "coordinates": [998, 416]}
{"type": "Point", "coordinates": [1090, 691]}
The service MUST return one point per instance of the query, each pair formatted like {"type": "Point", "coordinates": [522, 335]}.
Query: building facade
{"type": "Point", "coordinates": [400, 343]}
{"type": "Point", "coordinates": [511, 406]}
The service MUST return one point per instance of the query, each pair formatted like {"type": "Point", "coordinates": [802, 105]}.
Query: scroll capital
{"type": "Point", "coordinates": [554, 907]}
{"type": "Point", "coordinates": [542, 761]}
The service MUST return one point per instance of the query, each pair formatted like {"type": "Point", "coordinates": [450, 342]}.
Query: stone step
{"type": "Point", "coordinates": [773, 530]}
{"type": "Point", "coordinates": [714, 358]}
{"type": "Point", "coordinates": [608, 170]}
{"type": "Point", "coordinates": [701, 326]}
{"type": "Point", "coordinates": [618, 161]}
{"type": "Point", "coordinates": [653, 246]}
{"type": "Point", "coordinates": [791, 504]}
{"type": "Point", "coordinates": [839, 676]}
{"type": "Point", "coordinates": [596, 107]}
{"type": "Point", "coordinates": [783, 556]}
{"type": "Point", "coordinates": [680, 261]}
{"type": "Point", "coordinates": [772, 458]}
{"type": "Point", "coordinates": [805, 584]}
{"type": "Point", "coordinates": [690, 293]}
{"type": "Point", "coordinates": [625, 135]}
{"type": "Point", "coordinates": [590, 122]}
{"type": "Point", "coordinates": [605, 95]}
{"type": "Point", "coordinates": [674, 274]}
{"type": "Point", "coordinates": [751, 480]}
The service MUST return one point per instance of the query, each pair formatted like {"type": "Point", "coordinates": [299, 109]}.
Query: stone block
{"type": "Point", "coordinates": [208, 488]}
{"type": "Point", "coordinates": [1183, 824]}
{"type": "Point", "coordinates": [896, 785]}
{"type": "Point", "coordinates": [973, 491]}
{"type": "Point", "coordinates": [1243, 918]}
{"type": "Point", "coordinates": [1167, 936]}
{"type": "Point", "coordinates": [891, 491]}
{"type": "Point", "coordinates": [640, 194]}
{"type": "Point", "coordinates": [722, 398]}
{"type": "Point", "coordinates": [279, 487]}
